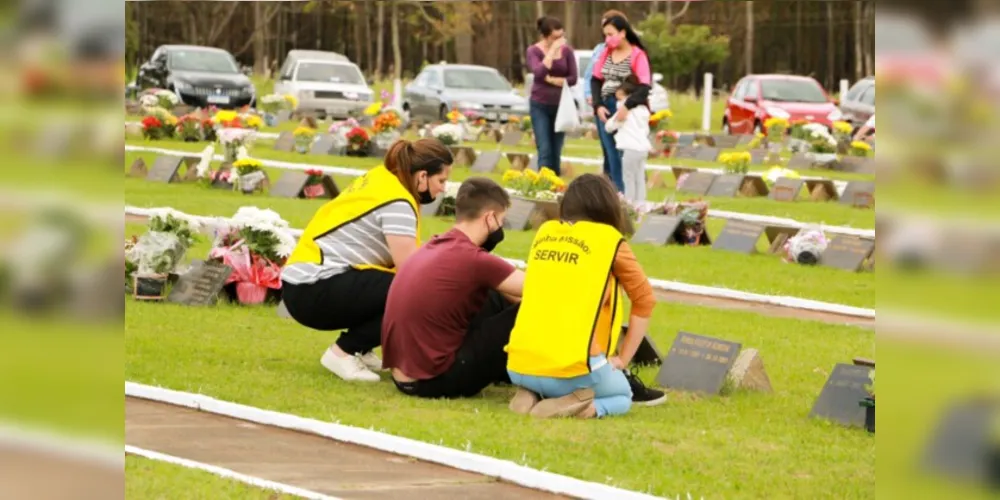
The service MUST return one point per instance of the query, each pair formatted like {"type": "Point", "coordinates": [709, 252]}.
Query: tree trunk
{"type": "Point", "coordinates": [798, 37]}
{"type": "Point", "coordinates": [831, 48]}
{"type": "Point", "coordinates": [258, 38]}
{"type": "Point", "coordinates": [539, 9]}
{"type": "Point", "coordinates": [360, 16]}
{"type": "Point", "coordinates": [859, 64]}
{"type": "Point", "coordinates": [569, 22]}
{"type": "Point", "coordinates": [397, 55]}
{"type": "Point", "coordinates": [380, 39]}
{"type": "Point", "coordinates": [748, 49]}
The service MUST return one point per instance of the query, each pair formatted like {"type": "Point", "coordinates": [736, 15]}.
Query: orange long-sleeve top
{"type": "Point", "coordinates": [632, 278]}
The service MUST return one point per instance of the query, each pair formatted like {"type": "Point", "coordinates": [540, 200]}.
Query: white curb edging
{"type": "Point", "coordinates": [355, 172]}
{"type": "Point", "coordinates": [226, 473]}
{"type": "Point", "coordinates": [456, 459]}
{"type": "Point", "coordinates": [670, 286]}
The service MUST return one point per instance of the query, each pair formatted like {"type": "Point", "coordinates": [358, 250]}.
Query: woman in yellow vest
{"type": "Point", "coordinates": [563, 346]}
{"type": "Point", "coordinates": [338, 277]}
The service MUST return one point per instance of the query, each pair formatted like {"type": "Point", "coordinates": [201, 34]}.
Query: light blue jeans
{"type": "Point", "coordinates": [612, 394]}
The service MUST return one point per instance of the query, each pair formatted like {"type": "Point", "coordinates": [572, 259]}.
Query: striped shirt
{"type": "Point", "coordinates": [614, 74]}
{"type": "Point", "coordinates": [358, 243]}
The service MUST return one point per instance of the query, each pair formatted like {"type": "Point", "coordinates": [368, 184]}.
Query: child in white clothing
{"type": "Point", "coordinates": [632, 139]}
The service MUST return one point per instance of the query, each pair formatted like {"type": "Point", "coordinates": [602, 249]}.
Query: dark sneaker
{"type": "Point", "coordinates": [642, 395]}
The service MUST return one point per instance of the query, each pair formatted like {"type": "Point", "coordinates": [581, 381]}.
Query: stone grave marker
{"type": "Point", "coordinates": [844, 389]}
{"type": "Point", "coordinates": [282, 116]}
{"type": "Point", "coordinates": [697, 363]}
{"type": "Point", "coordinates": [138, 169]}
{"type": "Point", "coordinates": [325, 144]}
{"type": "Point", "coordinates": [821, 190]}
{"type": "Point", "coordinates": [726, 185]}
{"type": "Point", "coordinates": [964, 445]}
{"type": "Point", "coordinates": [859, 194]}
{"type": "Point", "coordinates": [519, 214]}
{"type": "Point", "coordinates": [685, 152]}
{"type": "Point", "coordinates": [870, 363]}
{"type": "Point", "coordinates": [799, 161]}
{"type": "Point", "coordinates": [743, 139]}
{"type": "Point", "coordinates": [858, 165]}
{"type": "Point", "coordinates": [656, 229]}
{"type": "Point", "coordinates": [739, 236]}
{"type": "Point", "coordinates": [464, 155]}
{"type": "Point", "coordinates": [724, 141]}
{"type": "Point", "coordinates": [512, 138]}
{"type": "Point", "coordinates": [646, 354]}
{"type": "Point", "coordinates": [518, 161]}
{"type": "Point", "coordinates": [486, 162]}
{"type": "Point", "coordinates": [847, 252]}
{"type": "Point", "coordinates": [285, 142]}
{"type": "Point", "coordinates": [786, 189]}
{"type": "Point", "coordinates": [685, 140]}
{"type": "Point", "coordinates": [707, 153]}
{"type": "Point", "coordinates": [748, 372]}
{"type": "Point", "coordinates": [778, 235]}
{"type": "Point", "coordinates": [200, 286]}
{"type": "Point", "coordinates": [164, 169]}
{"type": "Point", "coordinates": [294, 184]}
{"type": "Point", "coordinates": [697, 183]}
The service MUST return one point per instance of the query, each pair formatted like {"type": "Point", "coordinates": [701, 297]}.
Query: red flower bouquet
{"type": "Point", "coordinates": [314, 185]}
{"type": "Point", "coordinates": [152, 127]}
{"type": "Point", "coordinates": [357, 139]}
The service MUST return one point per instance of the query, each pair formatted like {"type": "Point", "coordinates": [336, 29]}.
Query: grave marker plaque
{"type": "Point", "coordinates": [511, 138]}
{"type": "Point", "coordinates": [964, 444]}
{"type": "Point", "coordinates": [295, 184]}
{"type": "Point", "coordinates": [138, 168]}
{"type": "Point", "coordinates": [758, 156]}
{"type": "Point", "coordinates": [164, 169]}
{"type": "Point", "coordinates": [646, 354]}
{"type": "Point", "coordinates": [844, 389]}
{"type": "Point", "coordinates": [858, 165]}
{"type": "Point", "coordinates": [200, 286]}
{"type": "Point", "coordinates": [533, 163]}
{"type": "Point", "coordinates": [518, 161]}
{"type": "Point", "coordinates": [285, 142]}
{"type": "Point", "coordinates": [519, 214]}
{"type": "Point", "coordinates": [487, 162]}
{"type": "Point", "coordinates": [786, 189]}
{"type": "Point", "coordinates": [684, 140]}
{"type": "Point", "coordinates": [724, 141]}
{"type": "Point", "coordinates": [859, 194]}
{"type": "Point", "coordinates": [799, 161]}
{"type": "Point", "coordinates": [778, 235]}
{"type": "Point", "coordinates": [684, 152]}
{"type": "Point", "coordinates": [707, 153]}
{"type": "Point", "coordinates": [754, 186]}
{"type": "Point", "coordinates": [726, 185]}
{"type": "Point", "coordinates": [821, 189]}
{"type": "Point", "coordinates": [697, 183]}
{"type": "Point", "coordinates": [656, 229]}
{"type": "Point", "coordinates": [739, 236]}
{"type": "Point", "coordinates": [463, 155]}
{"type": "Point", "coordinates": [847, 252]}
{"type": "Point", "coordinates": [697, 363]}
{"type": "Point", "coordinates": [325, 144]}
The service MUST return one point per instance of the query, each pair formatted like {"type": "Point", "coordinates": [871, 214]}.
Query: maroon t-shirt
{"type": "Point", "coordinates": [433, 298]}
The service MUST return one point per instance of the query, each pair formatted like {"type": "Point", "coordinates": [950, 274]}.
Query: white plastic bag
{"type": "Point", "coordinates": [567, 118]}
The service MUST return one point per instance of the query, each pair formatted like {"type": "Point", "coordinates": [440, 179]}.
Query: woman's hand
{"type": "Point", "coordinates": [554, 80]}
{"type": "Point", "coordinates": [602, 113]}
{"type": "Point", "coordinates": [617, 363]}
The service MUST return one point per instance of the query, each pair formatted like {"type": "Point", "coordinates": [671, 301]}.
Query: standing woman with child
{"type": "Point", "coordinates": [623, 56]}
{"type": "Point", "coordinates": [553, 63]}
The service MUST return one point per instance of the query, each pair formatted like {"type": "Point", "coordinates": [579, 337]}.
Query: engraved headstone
{"type": "Point", "coordinates": [324, 144]}
{"type": "Point", "coordinates": [786, 189]}
{"type": "Point", "coordinates": [859, 194]}
{"type": "Point", "coordinates": [697, 363]}
{"type": "Point", "coordinates": [656, 229]}
{"type": "Point", "coordinates": [707, 153]}
{"type": "Point", "coordinates": [519, 214]}
{"type": "Point", "coordinates": [646, 354]}
{"type": "Point", "coordinates": [487, 162]}
{"type": "Point", "coordinates": [847, 252]}
{"type": "Point", "coordinates": [726, 185]}
{"type": "Point", "coordinates": [200, 286]}
{"type": "Point", "coordinates": [739, 236]}
{"type": "Point", "coordinates": [512, 138]}
{"type": "Point", "coordinates": [164, 169]}
{"type": "Point", "coordinates": [285, 142]}
{"type": "Point", "coordinates": [844, 389]}
{"type": "Point", "coordinates": [697, 183]}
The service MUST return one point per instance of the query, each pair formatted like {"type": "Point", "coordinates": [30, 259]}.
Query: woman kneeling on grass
{"type": "Point", "coordinates": [338, 277]}
{"type": "Point", "coordinates": [564, 341]}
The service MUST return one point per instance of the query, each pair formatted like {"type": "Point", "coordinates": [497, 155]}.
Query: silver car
{"type": "Point", "coordinates": [324, 82]}
{"type": "Point", "coordinates": [477, 91]}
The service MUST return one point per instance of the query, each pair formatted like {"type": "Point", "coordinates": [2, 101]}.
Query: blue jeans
{"type": "Point", "coordinates": [612, 394]}
{"type": "Point", "coordinates": [549, 142]}
{"type": "Point", "coordinates": [612, 157]}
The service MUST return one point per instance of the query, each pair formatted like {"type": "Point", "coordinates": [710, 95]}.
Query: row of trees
{"type": "Point", "coordinates": [827, 39]}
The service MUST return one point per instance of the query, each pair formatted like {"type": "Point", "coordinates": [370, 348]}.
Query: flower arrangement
{"type": "Point", "coordinates": [252, 121]}
{"type": "Point", "coordinates": [159, 98]}
{"type": "Point", "coordinates": [668, 138]}
{"type": "Point", "coordinates": [860, 149]}
{"type": "Point", "coordinates": [544, 184]}
{"type": "Point", "coordinates": [660, 119]}
{"type": "Point", "coordinates": [233, 139]}
{"type": "Point", "coordinates": [303, 138]}
{"type": "Point", "coordinates": [843, 131]}
{"type": "Point", "coordinates": [157, 253]}
{"type": "Point", "coordinates": [152, 128]}
{"type": "Point", "coordinates": [358, 139]}
{"type": "Point", "coordinates": [449, 134]}
{"type": "Point", "coordinates": [455, 116]}
{"type": "Point", "coordinates": [819, 138]}
{"type": "Point", "coordinates": [314, 184]}
{"type": "Point", "coordinates": [272, 103]}
{"type": "Point", "coordinates": [374, 108]}
{"type": "Point", "coordinates": [525, 123]}
{"type": "Point", "coordinates": [293, 102]}
{"type": "Point", "coordinates": [227, 119]}
{"type": "Point", "coordinates": [775, 173]}
{"type": "Point", "coordinates": [387, 122]}
{"type": "Point", "coordinates": [248, 175]}
{"type": "Point", "coordinates": [736, 162]}
{"type": "Point", "coordinates": [806, 247]}
{"type": "Point", "coordinates": [189, 128]}
{"type": "Point", "coordinates": [255, 243]}
{"type": "Point", "coordinates": [775, 128]}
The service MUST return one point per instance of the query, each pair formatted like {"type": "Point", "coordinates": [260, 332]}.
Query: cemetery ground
{"type": "Point", "coordinates": [152, 479]}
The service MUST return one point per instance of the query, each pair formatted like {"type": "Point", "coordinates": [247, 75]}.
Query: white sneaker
{"type": "Point", "coordinates": [349, 368]}
{"type": "Point", "coordinates": [373, 362]}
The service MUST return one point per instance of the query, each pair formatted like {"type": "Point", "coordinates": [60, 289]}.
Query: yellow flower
{"type": "Point", "coordinates": [546, 172]}
{"type": "Point", "coordinates": [292, 101]}
{"type": "Point", "coordinates": [558, 183]}
{"type": "Point", "coordinates": [760, 135]}
{"type": "Point", "coordinates": [170, 119]}
{"type": "Point", "coordinates": [373, 109]}
{"type": "Point", "coordinates": [253, 121]}
{"type": "Point", "coordinates": [224, 116]}
{"type": "Point", "coordinates": [843, 127]}
{"type": "Point", "coordinates": [776, 122]}
{"type": "Point", "coordinates": [304, 132]}
{"type": "Point", "coordinates": [511, 175]}
{"type": "Point", "coordinates": [662, 115]}
{"type": "Point", "coordinates": [531, 175]}
{"type": "Point", "coordinates": [247, 162]}
{"type": "Point", "coordinates": [862, 145]}
{"type": "Point", "coordinates": [724, 157]}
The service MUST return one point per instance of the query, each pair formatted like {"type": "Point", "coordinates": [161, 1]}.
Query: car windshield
{"type": "Point", "coordinates": [791, 91]}
{"type": "Point", "coordinates": [329, 73]}
{"type": "Point", "coordinates": [582, 65]}
{"type": "Point", "coordinates": [474, 79]}
{"type": "Point", "coordinates": [202, 60]}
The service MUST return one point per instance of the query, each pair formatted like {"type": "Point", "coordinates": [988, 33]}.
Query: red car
{"type": "Point", "coordinates": [756, 98]}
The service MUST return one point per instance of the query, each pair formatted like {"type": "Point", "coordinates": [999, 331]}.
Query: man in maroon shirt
{"type": "Point", "coordinates": [451, 307]}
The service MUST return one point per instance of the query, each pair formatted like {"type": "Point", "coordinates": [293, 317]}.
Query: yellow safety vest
{"type": "Point", "coordinates": [565, 287]}
{"type": "Point", "coordinates": [371, 191]}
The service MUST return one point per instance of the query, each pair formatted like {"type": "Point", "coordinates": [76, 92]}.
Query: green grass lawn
{"type": "Point", "coordinates": [830, 213]}
{"type": "Point", "coordinates": [149, 479]}
{"type": "Point", "coordinates": [742, 445]}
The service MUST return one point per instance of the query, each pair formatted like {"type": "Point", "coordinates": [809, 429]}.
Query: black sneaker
{"type": "Point", "coordinates": [642, 395]}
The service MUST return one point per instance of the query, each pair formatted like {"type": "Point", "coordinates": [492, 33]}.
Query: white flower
{"type": "Point", "coordinates": [149, 101]}
{"type": "Point", "coordinates": [204, 167]}
{"type": "Point", "coordinates": [236, 135]}
{"type": "Point", "coordinates": [254, 215]}
{"type": "Point", "coordinates": [192, 221]}
{"type": "Point", "coordinates": [272, 99]}
{"type": "Point", "coordinates": [451, 130]}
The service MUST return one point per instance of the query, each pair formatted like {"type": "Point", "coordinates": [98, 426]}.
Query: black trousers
{"type": "Point", "coordinates": [480, 361]}
{"type": "Point", "coordinates": [353, 301]}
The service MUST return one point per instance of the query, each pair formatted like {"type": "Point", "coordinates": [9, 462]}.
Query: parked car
{"type": "Point", "coordinates": [327, 83]}
{"type": "Point", "coordinates": [478, 91]}
{"type": "Point", "coordinates": [757, 98]}
{"type": "Point", "coordinates": [858, 105]}
{"type": "Point", "coordinates": [200, 76]}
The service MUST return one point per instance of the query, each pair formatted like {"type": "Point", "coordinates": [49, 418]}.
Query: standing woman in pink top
{"type": "Point", "coordinates": [623, 56]}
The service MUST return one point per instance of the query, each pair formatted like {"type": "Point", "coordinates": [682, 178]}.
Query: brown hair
{"type": "Point", "coordinates": [612, 13]}
{"type": "Point", "coordinates": [591, 197]}
{"type": "Point", "coordinates": [476, 195]}
{"type": "Point", "coordinates": [546, 25]}
{"type": "Point", "coordinates": [406, 158]}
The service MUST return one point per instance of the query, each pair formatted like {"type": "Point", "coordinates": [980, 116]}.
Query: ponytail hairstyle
{"type": "Point", "coordinates": [406, 158]}
{"type": "Point", "coordinates": [621, 24]}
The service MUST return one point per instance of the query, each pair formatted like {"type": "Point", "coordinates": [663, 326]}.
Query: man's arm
{"type": "Point", "coordinates": [513, 286]}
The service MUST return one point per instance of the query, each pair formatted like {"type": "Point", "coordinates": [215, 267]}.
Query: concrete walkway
{"type": "Point", "coordinates": [306, 461]}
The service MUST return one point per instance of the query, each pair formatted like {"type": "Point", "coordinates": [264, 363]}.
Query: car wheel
{"type": "Point", "coordinates": [725, 127]}
{"type": "Point", "coordinates": [443, 113]}
{"type": "Point", "coordinates": [757, 128]}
